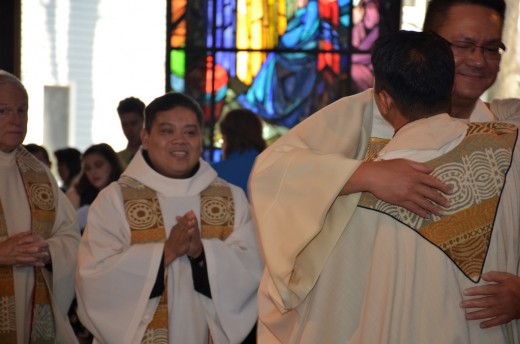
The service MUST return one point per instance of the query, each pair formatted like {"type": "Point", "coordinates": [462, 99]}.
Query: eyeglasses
{"type": "Point", "coordinates": [490, 52]}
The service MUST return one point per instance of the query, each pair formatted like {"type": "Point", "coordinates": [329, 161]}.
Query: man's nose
{"type": "Point", "coordinates": [476, 56]}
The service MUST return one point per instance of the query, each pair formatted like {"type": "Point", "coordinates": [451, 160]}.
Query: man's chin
{"type": "Point", "coordinates": [469, 94]}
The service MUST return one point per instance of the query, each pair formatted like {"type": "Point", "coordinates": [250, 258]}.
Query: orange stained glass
{"type": "Point", "coordinates": [178, 35]}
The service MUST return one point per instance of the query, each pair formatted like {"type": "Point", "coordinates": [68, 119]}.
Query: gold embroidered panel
{"type": "Point", "coordinates": [476, 170]}
{"type": "Point", "coordinates": [42, 205]}
{"type": "Point", "coordinates": [145, 219]}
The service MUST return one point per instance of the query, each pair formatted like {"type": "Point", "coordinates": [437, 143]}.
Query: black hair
{"type": "Point", "coordinates": [417, 70]}
{"type": "Point", "coordinates": [242, 130]}
{"type": "Point", "coordinates": [33, 148]}
{"type": "Point", "coordinates": [131, 104]}
{"type": "Point", "coordinates": [170, 101]}
{"type": "Point", "coordinates": [437, 10]}
{"type": "Point", "coordinates": [85, 189]}
{"type": "Point", "coordinates": [70, 157]}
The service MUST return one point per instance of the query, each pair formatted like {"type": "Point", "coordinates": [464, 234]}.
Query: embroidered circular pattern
{"type": "Point", "coordinates": [141, 214]}
{"type": "Point", "coordinates": [214, 211]}
{"type": "Point", "coordinates": [41, 195]}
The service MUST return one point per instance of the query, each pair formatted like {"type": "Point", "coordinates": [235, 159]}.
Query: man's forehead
{"type": "Point", "coordinates": [9, 86]}
{"type": "Point", "coordinates": [472, 13]}
{"type": "Point", "coordinates": [177, 115]}
{"type": "Point", "coordinates": [471, 22]}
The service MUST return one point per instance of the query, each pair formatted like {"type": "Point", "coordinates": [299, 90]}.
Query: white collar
{"type": "Point", "coordinates": [481, 113]}
{"type": "Point", "coordinates": [170, 187]}
{"type": "Point", "coordinates": [430, 133]}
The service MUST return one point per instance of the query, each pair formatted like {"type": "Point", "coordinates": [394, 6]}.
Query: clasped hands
{"type": "Point", "coordinates": [184, 239]}
{"type": "Point", "coordinates": [24, 249]}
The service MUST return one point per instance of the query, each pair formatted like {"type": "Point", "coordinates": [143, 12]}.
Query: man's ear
{"type": "Point", "coordinates": [144, 138]}
{"type": "Point", "coordinates": [384, 102]}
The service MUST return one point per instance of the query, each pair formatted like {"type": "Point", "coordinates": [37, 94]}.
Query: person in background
{"type": "Point", "coordinates": [39, 152]}
{"type": "Point", "coordinates": [131, 112]}
{"type": "Point", "coordinates": [38, 234]}
{"type": "Point", "coordinates": [101, 166]}
{"type": "Point", "coordinates": [169, 253]}
{"type": "Point", "coordinates": [242, 141]}
{"type": "Point", "coordinates": [69, 165]}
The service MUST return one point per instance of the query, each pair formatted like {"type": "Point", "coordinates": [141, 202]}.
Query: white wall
{"type": "Point", "coordinates": [104, 50]}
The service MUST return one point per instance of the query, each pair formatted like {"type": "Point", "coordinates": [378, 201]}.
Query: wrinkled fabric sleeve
{"type": "Point", "coordinates": [506, 110]}
{"type": "Point", "coordinates": [114, 278]}
{"type": "Point", "coordinates": [294, 190]}
{"type": "Point", "coordinates": [234, 268]}
{"type": "Point", "coordinates": [63, 246]}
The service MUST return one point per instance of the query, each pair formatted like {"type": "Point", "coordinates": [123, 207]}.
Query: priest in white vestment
{"type": "Point", "coordinates": [338, 273]}
{"type": "Point", "coordinates": [210, 283]}
{"type": "Point", "coordinates": [39, 235]}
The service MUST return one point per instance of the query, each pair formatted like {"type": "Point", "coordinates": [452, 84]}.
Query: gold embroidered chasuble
{"type": "Point", "coordinates": [144, 216]}
{"type": "Point", "coordinates": [477, 175]}
{"type": "Point", "coordinates": [42, 205]}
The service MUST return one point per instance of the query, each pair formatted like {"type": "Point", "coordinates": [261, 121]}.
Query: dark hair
{"type": "Point", "coordinates": [437, 10]}
{"type": "Point", "coordinates": [70, 157]}
{"type": "Point", "coordinates": [85, 189]}
{"type": "Point", "coordinates": [33, 148]}
{"type": "Point", "coordinates": [170, 101]}
{"type": "Point", "coordinates": [131, 104]}
{"type": "Point", "coordinates": [417, 70]}
{"type": "Point", "coordinates": [242, 130]}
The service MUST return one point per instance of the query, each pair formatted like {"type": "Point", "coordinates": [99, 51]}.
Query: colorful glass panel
{"type": "Point", "coordinates": [282, 59]}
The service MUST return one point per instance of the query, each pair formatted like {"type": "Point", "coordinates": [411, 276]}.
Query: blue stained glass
{"type": "Point", "coordinates": [227, 60]}
{"type": "Point", "coordinates": [296, 78]}
{"type": "Point", "coordinates": [209, 21]}
{"type": "Point", "coordinates": [225, 35]}
{"type": "Point", "coordinates": [281, 91]}
{"type": "Point", "coordinates": [345, 20]}
{"type": "Point", "coordinates": [177, 83]}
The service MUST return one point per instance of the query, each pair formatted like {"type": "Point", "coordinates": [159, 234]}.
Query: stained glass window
{"type": "Point", "coordinates": [282, 59]}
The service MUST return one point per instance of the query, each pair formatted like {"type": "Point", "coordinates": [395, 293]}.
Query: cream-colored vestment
{"type": "Point", "coordinates": [63, 244]}
{"type": "Point", "coordinates": [336, 273]}
{"type": "Point", "coordinates": [115, 278]}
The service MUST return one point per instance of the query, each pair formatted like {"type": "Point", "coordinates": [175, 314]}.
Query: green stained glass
{"type": "Point", "coordinates": [178, 62]}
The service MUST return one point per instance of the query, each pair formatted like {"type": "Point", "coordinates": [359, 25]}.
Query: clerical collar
{"type": "Point", "coordinates": [189, 175]}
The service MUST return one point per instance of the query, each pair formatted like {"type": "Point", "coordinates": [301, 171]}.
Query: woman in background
{"type": "Point", "coordinates": [101, 166]}
{"type": "Point", "coordinates": [242, 134]}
